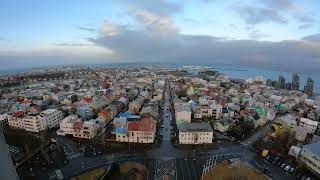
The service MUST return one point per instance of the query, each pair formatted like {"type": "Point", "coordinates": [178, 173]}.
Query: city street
{"type": "Point", "coordinates": [166, 160]}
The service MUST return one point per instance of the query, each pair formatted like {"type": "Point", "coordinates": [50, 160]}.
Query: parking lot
{"type": "Point", "coordinates": [288, 167]}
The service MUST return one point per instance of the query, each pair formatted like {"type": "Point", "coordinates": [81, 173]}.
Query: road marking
{"type": "Point", "coordinates": [194, 170]}
{"type": "Point", "coordinates": [182, 169]}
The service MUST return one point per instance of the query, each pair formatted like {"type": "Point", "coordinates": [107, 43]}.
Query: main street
{"type": "Point", "coordinates": [177, 163]}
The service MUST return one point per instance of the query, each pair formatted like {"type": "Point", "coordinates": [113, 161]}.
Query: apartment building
{"type": "Point", "coordinates": [309, 125]}
{"type": "Point", "coordinates": [47, 119]}
{"type": "Point", "coordinates": [310, 156]}
{"type": "Point", "coordinates": [73, 125]}
{"type": "Point", "coordinates": [195, 133]}
{"type": "Point", "coordinates": [52, 116]}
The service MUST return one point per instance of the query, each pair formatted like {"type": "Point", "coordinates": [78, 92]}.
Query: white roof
{"type": "Point", "coordinates": [309, 121]}
{"type": "Point", "coordinates": [49, 111]}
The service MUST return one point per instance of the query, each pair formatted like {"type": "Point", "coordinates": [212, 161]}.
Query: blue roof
{"type": "Point", "coordinates": [314, 148]}
{"type": "Point", "coordinates": [125, 114]}
{"type": "Point", "coordinates": [121, 130]}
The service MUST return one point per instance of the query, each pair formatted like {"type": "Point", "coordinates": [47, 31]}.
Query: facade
{"type": "Point", "coordinates": [52, 116]}
{"type": "Point", "coordinates": [47, 119]}
{"type": "Point", "coordinates": [281, 82]}
{"type": "Point", "coordinates": [183, 112]}
{"type": "Point", "coordinates": [3, 120]}
{"type": "Point", "coordinates": [295, 82]}
{"type": "Point", "coordinates": [7, 170]}
{"type": "Point", "coordinates": [310, 156]}
{"type": "Point", "coordinates": [85, 112]}
{"type": "Point", "coordinates": [195, 133]}
{"type": "Point", "coordinates": [73, 125]}
{"type": "Point", "coordinates": [308, 88]}
{"type": "Point", "coordinates": [142, 131]}
{"type": "Point", "coordinates": [308, 125]}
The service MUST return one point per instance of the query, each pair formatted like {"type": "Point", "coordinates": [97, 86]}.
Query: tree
{"type": "Point", "coordinates": [74, 98]}
{"type": "Point", "coordinates": [66, 87]}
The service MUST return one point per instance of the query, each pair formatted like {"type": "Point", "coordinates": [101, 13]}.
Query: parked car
{"type": "Point", "coordinates": [279, 163]}
{"type": "Point", "coordinates": [275, 160]}
{"type": "Point", "coordinates": [287, 168]}
{"type": "Point", "coordinates": [268, 158]}
{"type": "Point", "coordinates": [292, 170]}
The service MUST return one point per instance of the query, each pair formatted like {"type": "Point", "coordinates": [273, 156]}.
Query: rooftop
{"type": "Point", "coordinates": [195, 127]}
{"type": "Point", "coordinates": [314, 148]}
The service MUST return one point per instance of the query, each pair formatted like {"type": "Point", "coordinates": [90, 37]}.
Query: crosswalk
{"type": "Point", "coordinates": [74, 155]}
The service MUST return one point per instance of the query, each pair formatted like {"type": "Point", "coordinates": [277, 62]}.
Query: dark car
{"type": "Point", "coordinates": [275, 160]}
{"type": "Point", "coordinates": [268, 158]}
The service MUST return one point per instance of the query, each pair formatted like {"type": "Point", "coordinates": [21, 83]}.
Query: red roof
{"type": "Point", "coordinates": [205, 107]}
{"type": "Point", "coordinates": [87, 100]}
{"type": "Point", "coordinates": [133, 126]}
{"type": "Point", "coordinates": [147, 124]}
{"type": "Point", "coordinates": [246, 111]}
{"type": "Point", "coordinates": [18, 114]}
{"type": "Point", "coordinates": [78, 125]}
{"type": "Point", "coordinates": [222, 102]}
{"type": "Point", "coordinates": [103, 113]}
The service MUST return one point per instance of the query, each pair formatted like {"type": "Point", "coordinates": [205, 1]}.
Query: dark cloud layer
{"type": "Point", "coordinates": [155, 46]}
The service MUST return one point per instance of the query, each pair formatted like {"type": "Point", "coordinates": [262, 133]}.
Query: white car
{"type": "Point", "coordinates": [287, 168]}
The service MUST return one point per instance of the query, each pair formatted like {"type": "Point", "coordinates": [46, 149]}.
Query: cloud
{"type": "Point", "coordinates": [256, 34]}
{"type": "Point", "coordinates": [2, 39]}
{"type": "Point", "coordinates": [150, 44]}
{"type": "Point", "coordinates": [278, 11]}
{"type": "Point", "coordinates": [312, 38]}
{"type": "Point", "coordinates": [72, 44]}
{"type": "Point", "coordinates": [160, 7]}
{"type": "Point", "coordinates": [286, 5]}
{"type": "Point", "coordinates": [253, 15]}
{"type": "Point", "coordinates": [87, 29]}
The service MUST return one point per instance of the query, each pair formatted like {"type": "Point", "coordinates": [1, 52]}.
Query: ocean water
{"type": "Point", "coordinates": [244, 72]}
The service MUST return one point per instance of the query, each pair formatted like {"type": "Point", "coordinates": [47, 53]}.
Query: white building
{"type": "Point", "coordinates": [34, 123]}
{"type": "Point", "coordinates": [47, 119]}
{"type": "Point", "coordinates": [52, 116]}
{"type": "Point", "coordinates": [310, 156]}
{"type": "Point", "coordinates": [195, 133]}
{"type": "Point", "coordinates": [309, 125]}
{"type": "Point", "coordinates": [73, 125]}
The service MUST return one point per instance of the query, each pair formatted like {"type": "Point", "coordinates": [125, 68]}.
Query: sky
{"type": "Point", "coordinates": [262, 33]}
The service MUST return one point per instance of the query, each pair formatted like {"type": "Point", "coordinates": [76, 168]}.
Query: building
{"type": "Point", "coordinates": [295, 82]}
{"type": "Point", "coordinates": [85, 112]}
{"type": "Point", "coordinates": [73, 125]}
{"type": "Point", "coordinates": [142, 131]}
{"type": "Point", "coordinates": [308, 125]}
{"type": "Point", "coordinates": [3, 120]}
{"type": "Point", "coordinates": [136, 105]}
{"type": "Point", "coordinates": [281, 82]}
{"type": "Point", "coordinates": [47, 119]}
{"type": "Point", "coordinates": [7, 170]}
{"type": "Point", "coordinates": [308, 88]}
{"type": "Point", "coordinates": [182, 113]}
{"type": "Point", "coordinates": [195, 133]}
{"type": "Point", "coordinates": [310, 156]}
{"type": "Point", "coordinates": [52, 117]}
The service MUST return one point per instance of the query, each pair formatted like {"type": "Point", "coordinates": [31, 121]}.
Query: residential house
{"type": "Point", "coordinates": [85, 112]}
{"type": "Point", "coordinates": [182, 113]}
